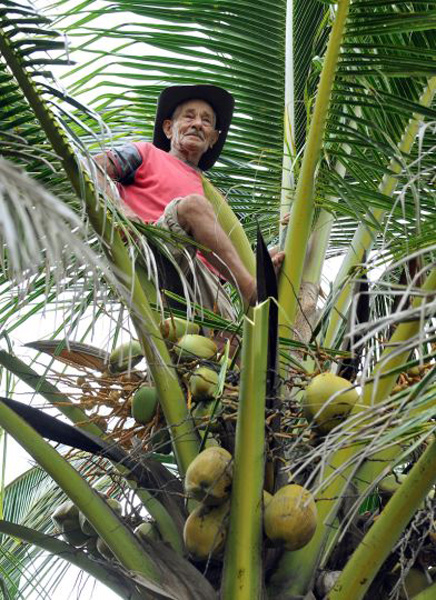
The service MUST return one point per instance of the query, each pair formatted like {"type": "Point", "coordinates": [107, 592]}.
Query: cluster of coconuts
{"type": "Point", "coordinates": [204, 379]}
{"type": "Point", "coordinates": [290, 516]}
{"type": "Point", "coordinates": [76, 529]}
{"type": "Point", "coordinates": [187, 345]}
{"type": "Point", "coordinates": [328, 400]}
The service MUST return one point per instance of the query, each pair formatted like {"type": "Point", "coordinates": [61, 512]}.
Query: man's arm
{"type": "Point", "coordinates": [117, 166]}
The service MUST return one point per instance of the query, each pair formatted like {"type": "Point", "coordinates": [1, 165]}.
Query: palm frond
{"type": "Point", "coordinates": [37, 228]}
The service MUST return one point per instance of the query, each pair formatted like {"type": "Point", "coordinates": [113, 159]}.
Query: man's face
{"type": "Point", "coordinates": [192, 127]}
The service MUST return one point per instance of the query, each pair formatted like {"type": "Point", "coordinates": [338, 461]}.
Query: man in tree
{"type": "Point", "coordinates": [160, 183]}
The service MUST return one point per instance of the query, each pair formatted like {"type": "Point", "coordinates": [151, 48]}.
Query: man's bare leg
{"type": "Point", "coordinates": [196, 216]}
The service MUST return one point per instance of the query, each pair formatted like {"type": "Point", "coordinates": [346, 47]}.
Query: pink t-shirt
{"type": "Point", "coordinates": [158, 179]}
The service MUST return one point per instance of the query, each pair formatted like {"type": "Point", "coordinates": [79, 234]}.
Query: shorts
{"type": "Point", "coordinates": [206, 289]}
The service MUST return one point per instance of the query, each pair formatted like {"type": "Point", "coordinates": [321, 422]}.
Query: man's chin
{"type": "Point", "coordinates": [194, 145]}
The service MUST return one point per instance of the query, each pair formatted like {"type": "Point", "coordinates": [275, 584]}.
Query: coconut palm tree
{"type": "Point", "coordinates": [334, 123]}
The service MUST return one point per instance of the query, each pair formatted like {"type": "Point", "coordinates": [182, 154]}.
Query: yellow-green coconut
{"type": "Point", "coordinates": [203, 383]}
{"type": "Point", "coordinates": [66, 519]}
{"type": "Point", "coordinates": [192, 346]}
{"type": "Point", "coordinates": [209, 476]}
{"type": "Point", "coordinates": [328, 400]}
{"type": "Point", "coordinates": [205, 531]}
{"type": "Point", "coordinates": [290, 518]}
{"type": "Point", "coordinates": [125, 357]}
{"type": "Point", "coordinates": [174, 328]}
{"type": "Point", "coordinates": [147, 531]}
{"type": "Point", "coordinates": [390, 484]}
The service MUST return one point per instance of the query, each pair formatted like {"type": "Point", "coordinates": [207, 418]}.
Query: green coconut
{"type": "Point", "coordinates": [191, 346]}
{"type": "Point", "coordinates": [205, 531]}
{"type": "Point", "coordinates": [104, 550]}
{"type": "Point", "coordinates": [174, 328]}
{"type": "Point", "coordinates": [144, 404]}
{"type": "Point", "coordinates": [290, 517]}
{"type": "Point", "coordinates": [160, 441]}
{"type": "Point", "coordinates": [209, 476]}
{"type": "Point", "coordinates": [147, 531]}
{"type": "Point", "coordinates": [203, 383]}
{"type": "Point", "coordinates": [125, 357]}
{"type": "Point", "coordinates": [66, 519]}
{"type": "Point", "coordinates": [328, 400]}
{"type": "Point", "coordinates": [86, 526]}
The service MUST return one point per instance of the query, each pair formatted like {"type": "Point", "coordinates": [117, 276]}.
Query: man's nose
{"type": "Point", "coordinates": [197, 122]}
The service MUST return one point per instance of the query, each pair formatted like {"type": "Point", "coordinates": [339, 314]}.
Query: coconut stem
{"type": "Point", "coordinates": [118, 537]}
{"type": "Point", "coordinates": [242, 576]}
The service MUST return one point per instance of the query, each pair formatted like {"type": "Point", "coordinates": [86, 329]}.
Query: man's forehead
{"type": "Point", "coordinates": [194, 103]}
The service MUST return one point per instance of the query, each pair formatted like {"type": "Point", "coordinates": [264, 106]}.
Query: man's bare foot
{"type": "Point", "coordinates": [249, 292]}
{"type": "Point", "coordinates": [277, 257]}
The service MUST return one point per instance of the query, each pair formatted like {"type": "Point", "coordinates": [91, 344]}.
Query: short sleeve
{"type": "Point", "coordinates": [126, 159]}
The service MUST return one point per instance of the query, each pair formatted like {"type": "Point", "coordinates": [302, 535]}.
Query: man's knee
{"type": "Point", "coordinates": [192, 207]}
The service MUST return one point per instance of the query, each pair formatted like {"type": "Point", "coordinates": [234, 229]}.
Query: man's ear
{"type": "Point", "coordinates": [214, 138]}
{"type": "Point", "coordinates": [167, 127]}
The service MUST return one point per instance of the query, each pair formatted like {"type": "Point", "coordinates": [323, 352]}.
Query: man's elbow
{"type": "Point", "coordinates": [106, 163]}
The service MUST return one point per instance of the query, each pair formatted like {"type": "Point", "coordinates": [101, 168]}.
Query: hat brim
{"type": "Point", "coordinates": [220, 100]}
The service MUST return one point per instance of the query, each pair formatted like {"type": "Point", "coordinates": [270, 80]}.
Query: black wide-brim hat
{"type": "Point", "coordinates": [220, 100]}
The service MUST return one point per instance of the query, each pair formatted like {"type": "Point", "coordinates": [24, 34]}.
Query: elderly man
{"type": "Point", "coordinates": [160, 182]}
